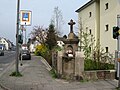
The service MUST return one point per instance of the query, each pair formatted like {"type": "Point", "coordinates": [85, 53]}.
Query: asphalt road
{"type": "Point", "coordinates": [5, 60]}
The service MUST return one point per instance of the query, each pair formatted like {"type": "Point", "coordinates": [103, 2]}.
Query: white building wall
{"type": "Point", "coordinates": [108, 17]}
{"type": "Point", "coordinates": [3, 41]}
{"type": "Point", "coordinates": [88, 23]}
{"type": "Point", "coordinates": [97, 23]}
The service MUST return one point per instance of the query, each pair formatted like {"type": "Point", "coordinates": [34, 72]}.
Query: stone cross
{"type": "Point", "coordinates": [71, 23]}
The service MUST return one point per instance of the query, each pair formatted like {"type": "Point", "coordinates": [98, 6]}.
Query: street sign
{"type": "Point", "coordinates": [25, 17]}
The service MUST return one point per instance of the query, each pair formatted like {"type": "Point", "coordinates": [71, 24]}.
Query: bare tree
{"type": "Point", "coordinates": [57, 20]}
{"type": "Point", "coordinates": [39, 34]}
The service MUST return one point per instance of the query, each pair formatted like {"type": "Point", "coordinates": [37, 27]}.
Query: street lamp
{"type": "Point", "coordinates": [17, 32]}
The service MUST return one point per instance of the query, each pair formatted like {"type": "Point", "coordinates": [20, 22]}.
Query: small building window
{"type": "Point", "coordinates": [90, 14]}
{"type": "Point", "coordinates": [106, 6]}
{"type": "Point", "coordinates": [90, 31]}
{"type": "Point", "coordinates": [106, 49]}
{"type": "Point", "coordinates": [90, 49]}
{"type": "Point", "coordinates": [106, 27]}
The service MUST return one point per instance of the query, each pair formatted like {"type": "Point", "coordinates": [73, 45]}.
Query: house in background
{"type": "Point", "coordinates": [7, 43]}
{"type": "Point", "coordinates": [98, 17]}
{"type": "Point", "coordinates": [37, 39]}
{"type": "Point", "coordinates": [32, 45]}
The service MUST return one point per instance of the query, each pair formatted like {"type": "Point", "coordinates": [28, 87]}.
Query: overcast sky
{"type": "Point", "coordinates": [42, 12]}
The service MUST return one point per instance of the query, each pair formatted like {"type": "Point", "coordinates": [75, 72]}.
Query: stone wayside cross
{"type": "Point", "coordinates": [71, 23]}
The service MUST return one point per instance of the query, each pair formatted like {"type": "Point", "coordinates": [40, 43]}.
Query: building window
{"type": "Point", "coordinates": [106, 27]}
{"type": "Point", "coordinates": [90, 49]}
{"type": "Point", "coordinates": [106, 49]}
{"type": "Point", "coordinates": [90, 31]}
{"type": "Point", "coordinates": [106, 6]}
{"type": "Point", "coordinates": [90, 14]}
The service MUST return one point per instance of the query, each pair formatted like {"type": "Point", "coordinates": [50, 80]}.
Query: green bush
{"type": "Point", "coordinates": [53, 73]}
{"type": "Point", "coordinates": [93, 65]}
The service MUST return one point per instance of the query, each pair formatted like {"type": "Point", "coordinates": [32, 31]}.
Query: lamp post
{"type": "Point", "coordinates": [17, 32]}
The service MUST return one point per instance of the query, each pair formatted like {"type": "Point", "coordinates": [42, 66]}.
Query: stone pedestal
{"type": "Point", "coordinates": [68, 68]}
{"type": "Point", "coordinates": [79, 63]}
{"type": "Point", "coordinates": [72, 67]}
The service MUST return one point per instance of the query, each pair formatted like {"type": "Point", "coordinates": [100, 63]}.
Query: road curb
{"type": "Point", "coordinates": [46, 64]}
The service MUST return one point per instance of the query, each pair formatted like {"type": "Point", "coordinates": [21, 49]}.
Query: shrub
{"type": "Point", "coordinates": [41, 50]}
{"type": "Point", "coordinates": [53, 73]}
{"type": "Point", "coordinates": [87, 64]}
{"type": "Point", "coordinates": [95, 57]}
{"type": "Point", "coordinates": [93, 65]}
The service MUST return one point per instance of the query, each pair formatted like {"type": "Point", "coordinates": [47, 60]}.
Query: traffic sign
{"type": "Point", "coordinates": [25, 17]}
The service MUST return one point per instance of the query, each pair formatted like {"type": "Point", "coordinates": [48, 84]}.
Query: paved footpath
{"type": "Point", "coordinates": [37, 77]}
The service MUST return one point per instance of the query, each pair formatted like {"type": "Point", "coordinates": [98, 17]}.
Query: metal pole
{"type": "Point", "coordinates": [117, 49]}
{"type": "Point", "coordinates": [118, 24]}
{"type": "Point", "coordinates": [119, 57]}
{"type": "Point", "coordinates": [25, 37]}
{"type": "Point", "coordinates": [17, 32]}
{"type": "Point", "coordinates": [25, 33]}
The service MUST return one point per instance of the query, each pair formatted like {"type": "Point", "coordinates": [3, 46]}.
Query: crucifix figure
{"type": "Point", "coordinates": [71, 23]}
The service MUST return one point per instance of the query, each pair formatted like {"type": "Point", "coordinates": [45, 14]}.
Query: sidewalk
{"type": "Point", "coordinates": [36, 77]}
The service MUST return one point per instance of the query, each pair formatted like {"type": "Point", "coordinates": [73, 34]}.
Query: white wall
{"type": "Point", "coordinates": [108, 16]}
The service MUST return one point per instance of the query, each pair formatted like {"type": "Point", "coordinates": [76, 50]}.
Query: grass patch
{"type": "Point", "coordinates": [84, 80]}
{"type": "Point", "coordinates": [16, 74]}
{"type": "Point", "coordinates": [53, 73]}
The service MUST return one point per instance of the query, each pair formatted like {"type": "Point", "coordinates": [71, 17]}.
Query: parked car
{"type": "Point", "coordinates": [1, 51]}
{"type": "Point", "coordinates": [25, 54]}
